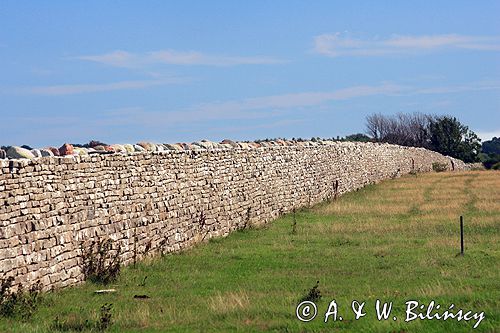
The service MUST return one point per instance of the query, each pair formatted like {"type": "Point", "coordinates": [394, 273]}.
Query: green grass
{"type": "Point", "coordinates": [395, 241]}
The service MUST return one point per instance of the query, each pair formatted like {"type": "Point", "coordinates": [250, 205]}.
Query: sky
{"type": "Point", "coordinates": [182, 71]}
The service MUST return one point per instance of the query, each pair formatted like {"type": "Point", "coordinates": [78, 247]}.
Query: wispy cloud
{"type": "Point", "coordinates": [121, 58]}
{"type": "Point", "coordinates": [300, 103]}
{"type": "Point", "coordinates": [116, 58]}
{"type": "Point", "coordinates": [254, 112]}
{"type": "Point", "coordinates": [72, 89]}
{"type": "Point", "coordinates": [342, 44]}
{"type": "Point", "coordinates": [297, 100]}
{"type": "Point", "coordinates": [248, 108]}
{"type": "Point", "coordinates": [474, 86]}
{"type": "Point", "coordinates": [488, 135]}
{"type": "Point", "coordinates": [197, 58]}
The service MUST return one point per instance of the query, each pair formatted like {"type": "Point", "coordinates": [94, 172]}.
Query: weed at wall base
{"type": "Point", "coordinates": [100, 263]}
{"type": "Point", "coordinates": [18, 304]}
{"type": "Point", "coordinates": [439, 167]}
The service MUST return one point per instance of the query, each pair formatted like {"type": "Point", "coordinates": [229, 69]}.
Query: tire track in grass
{"type": "Point", "coordinates": [470, 206]}
{"type": "Point", "coordinates": [416, 207]}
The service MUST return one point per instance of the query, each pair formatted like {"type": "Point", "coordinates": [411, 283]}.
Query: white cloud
{"type": "Point", "coordinates": [338, 44]}
{"type": "Point", "coordinates": [488, 135]}
{"type": "Point", "coordinates": [268, 106]}
{"type": "Point", "coordinates": [303, 105]}
{"type": "Point", "coordinates": [307, 99]}
{"type": "Point", "coordinates": [303, 99]}
{"type": "Point", "coordinates": [197, 58]}
{"type": "Point", "coordinates": [172, 57]}
{"type": "Point", "coordinates": [71, 89]}
{"type": "Point", "coordinates": [116, 58]}
{"type": "Point", "coordinates": [249, 108]}
{"type": "Point", "coordinates": [475, 86]}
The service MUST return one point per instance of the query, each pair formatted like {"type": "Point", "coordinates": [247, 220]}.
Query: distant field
{"type": "Point", "coordinates": [395, 241]}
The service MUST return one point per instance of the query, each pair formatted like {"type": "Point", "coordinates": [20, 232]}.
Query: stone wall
{"type": "Point", "coordinates": [166, 201]}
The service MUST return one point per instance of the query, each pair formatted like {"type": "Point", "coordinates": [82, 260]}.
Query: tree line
{"type": "Point", "coordinates": [490, 153]}
{"type": "Point", "coordinates": [444, 134]}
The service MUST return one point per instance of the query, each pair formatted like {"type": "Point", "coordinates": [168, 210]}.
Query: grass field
{"type": "Point", "coordinates": [395, 241]}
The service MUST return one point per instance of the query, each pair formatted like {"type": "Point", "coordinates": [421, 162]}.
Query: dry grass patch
{"type": "Point", "coordinates": [224, 303]}
{"type": "Point", "coordinates": [373, 208]}
{"type": "Point", "coordinates": [439, 289]}
{"type": "Point", "coordinates": [442, 207]}
{"type": "Point", "coordinates": [488, 205]}
{"type": "Point", "coordinates": [485, 221]}
{"type": "Point", "coordinates": [140, 316]}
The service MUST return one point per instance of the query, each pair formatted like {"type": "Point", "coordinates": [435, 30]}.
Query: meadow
{"type": "Point", "coordinates": [395, 241]}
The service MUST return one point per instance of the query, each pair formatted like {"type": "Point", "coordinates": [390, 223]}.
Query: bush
{"type": "Point", "coordinates": [313, 295]}
{"type": "Point", "coordinates": [496, 166]}
{"type": "Point", "coordinates": [20, 303]}
{"type": "Point", "coordinates": [100, 264]}
{"type": "Point", "coordinates": [105, 317]}
{"type": "Point", "coordinates": [94, 143]}
{"type": "Point", "coordinates": [489, 160]}
{"type": "Point", "coordinates": [439, 167]}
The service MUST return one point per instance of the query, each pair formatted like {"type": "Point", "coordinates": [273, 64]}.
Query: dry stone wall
{"type": "Point", "coordinates": [152, 202]}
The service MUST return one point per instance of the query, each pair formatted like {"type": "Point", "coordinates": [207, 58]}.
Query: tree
{"type": "Point", "coordinates": [443, 134]}
{"type": "Point", "coordinates": [449, 137]}
{"type": "Point", "coordinates": [490, 155]}
{"type": "Point", "coordinates": [374, 125]}
{"type": "Point", "coordinates": [490, 161]}
{"type": "Point", "coordinates": [358, 137]}
{"type": "Point", "coordinates": [492, 146]}
{"type": "Point", "coordinates": [402, 129]}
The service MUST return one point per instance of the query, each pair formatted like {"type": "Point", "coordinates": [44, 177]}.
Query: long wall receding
{"type": "Point", "coordinates": [166, 201]}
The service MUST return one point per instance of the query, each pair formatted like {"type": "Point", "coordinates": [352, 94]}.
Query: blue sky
{"type": "Point", "coordinates": [169, 71]}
